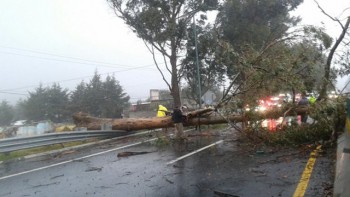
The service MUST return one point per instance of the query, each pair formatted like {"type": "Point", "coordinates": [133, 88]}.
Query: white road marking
{"type": "Point", "coordinates": [72, 160]}
{"type": "Point", "coordinates": [194, 152]}
{"type": "Point", "coordinates": [87, 156]}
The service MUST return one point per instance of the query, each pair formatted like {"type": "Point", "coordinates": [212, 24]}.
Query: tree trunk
{"type": "Point", "coordinates": [175, 91]}
{"type": "Point", "coordinates": [327, 70]}
{"type": "Point", "coordinates": [202, 116]}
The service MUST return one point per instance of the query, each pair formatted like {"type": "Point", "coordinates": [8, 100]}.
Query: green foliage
{"type": "Point", "coordinates": [161, 141]}
{"type": "Point", "coordinates": [47, 104]}
{"type": "Point", "coordinates": [211, 71]}
{"type": "Point", "coordinates": [31, 151]}
{"type": "Point", "coordinates": [318, 34]}
{"type": "Point", "coordinates": [98, 98]}
{"type": "Point", "coordinates": [163, 26]}
{"type": "Point", "coordinates": [106, 99]}
{"type": "Point", "coordinates": [255, 23]}
{"type": "Point", "coordinates": [329, 118]}
{"type": "Point", "coordinates": [6, 113]}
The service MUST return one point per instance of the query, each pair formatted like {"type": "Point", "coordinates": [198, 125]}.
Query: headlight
{"type": "Point", "coordinates": [262, 108]}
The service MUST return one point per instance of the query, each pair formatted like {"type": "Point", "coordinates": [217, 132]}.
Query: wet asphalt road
{"type": "Point", "coordinates": [226, 169]}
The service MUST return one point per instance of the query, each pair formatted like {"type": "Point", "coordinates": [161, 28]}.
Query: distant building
{"type": "Point", "coordinates": [209, 97]}
{"type": "Point", "coordinates": [19, 123]}
{"type": "Point", "coordinates": [154, 95]}
{"type": "Point", "coordinates": [144, 106]}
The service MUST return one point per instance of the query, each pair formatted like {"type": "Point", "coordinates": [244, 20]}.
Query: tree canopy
{"type": "Point", "coordinates": [6, 113]}
{"type": "Point", "coordinates": [100, 98]}
{"type": "Point", "coordinates": [162, 26]}
{"type": "Point", "coordinates": [48, 103]}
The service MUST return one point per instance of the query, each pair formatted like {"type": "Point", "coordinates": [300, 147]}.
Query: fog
{"type": "Point", "coordinates": [66, 41]}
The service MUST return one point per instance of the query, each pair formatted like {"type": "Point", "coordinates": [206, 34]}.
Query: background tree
{"type": "Point", "coordinates": [255, 23]}
{"type": "Point", "coordinates": [115, 100]}
{"type": "Point", "coordinates": [35, 106]}
{"type": "Point", "coordinates": [250, 24]}
{"type": "Point", "coordinates": [95, 95]}
{"type": "Point", "coordinates": [78, 99]}
{"type": "Point", "coordinates": [100, 98]}
{"type": "Point", "coordinates": [162, 26]}
{"type": "Point", "coordinates": [47, 104]}
{"type": "Point", "coordinates": [57, 103]}
{"type": "Point", "coordinates": [211, 71]}
{"type": "Point", "coordinates": [19, 110]}
{"type": "Point", "coordinates": [6, 113]}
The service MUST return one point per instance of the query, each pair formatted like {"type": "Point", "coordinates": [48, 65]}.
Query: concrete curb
{"type": "Point", "coordinates": [342, 170]}
{"type": "Point", "coordinates": [342, 178]}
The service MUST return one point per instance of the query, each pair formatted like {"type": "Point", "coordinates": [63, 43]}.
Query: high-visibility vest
{"type": "Point", "coordinates": [162, 111]}
{"type": "Point", "coordinates": [312, 100]}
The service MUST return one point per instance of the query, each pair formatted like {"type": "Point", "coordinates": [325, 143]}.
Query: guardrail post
{"type": "Point", "coordinates": [106, 126]}
{"type": "Point", "coordinates": [342, 178]}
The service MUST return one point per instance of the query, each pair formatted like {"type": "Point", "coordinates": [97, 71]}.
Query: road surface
{"type": "Point", "coordinates": [206, 165]}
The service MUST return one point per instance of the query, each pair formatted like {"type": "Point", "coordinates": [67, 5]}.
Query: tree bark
{"type": "Point", "coordinates": [202, 116]}
{"type": "Point", "coordinates": [326, 81]}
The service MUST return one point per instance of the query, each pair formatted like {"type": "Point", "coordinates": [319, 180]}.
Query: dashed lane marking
{"type": "Point", "coordinates": [72, 160]}
{"type": "Point", "coordinates": [194, 152]}
{"type": "Point", "coordinates": [84, 157]}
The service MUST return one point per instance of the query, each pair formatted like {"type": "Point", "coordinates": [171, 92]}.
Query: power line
{"type": "Point", "coordinates": [67, 61]}
{"type": "Point", "coordinates": [3, 92]}
{"type": "Point", "coordinates": [76, 78]}
{"type": "Point", "coordinates": [87, 62]}
{"type": "Point", "coordinates": [93, 62]}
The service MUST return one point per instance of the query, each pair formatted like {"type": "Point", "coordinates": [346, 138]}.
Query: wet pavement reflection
{"type": "Point", "coordinates": [226, 169]}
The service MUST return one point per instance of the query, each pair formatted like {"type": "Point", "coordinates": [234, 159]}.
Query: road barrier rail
{"type": "Point", "coordinates": [19, 143]}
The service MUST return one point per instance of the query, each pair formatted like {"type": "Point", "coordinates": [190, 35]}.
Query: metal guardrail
{"type": "Point", "coordinates": [20, 143]}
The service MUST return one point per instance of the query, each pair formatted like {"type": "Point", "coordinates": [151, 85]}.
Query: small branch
{"type": "Point", "coordinates": [166, 64]}
{"type": "Point", "coordinates": [224, 99]}
{"type": "Point", "coordinates": [151, 50]}
{"type": "Point", "coordinates": [329, 16]}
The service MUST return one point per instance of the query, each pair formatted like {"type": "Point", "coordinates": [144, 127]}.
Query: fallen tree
{"type": "Point", "coordinates": [199, 117]}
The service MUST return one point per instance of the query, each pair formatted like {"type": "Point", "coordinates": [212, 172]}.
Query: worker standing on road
{"type": "Point", "coordinates": [304, 102]}
{"type": "Point", "coordinates": [178, 118]}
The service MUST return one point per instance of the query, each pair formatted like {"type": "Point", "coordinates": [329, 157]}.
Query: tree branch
{"type": "Point", "coordinates": [166, 65]}
{"type": "Point", "coordinates": [329, 16]}
{"type": "Point", "coordinates": [151, 50]}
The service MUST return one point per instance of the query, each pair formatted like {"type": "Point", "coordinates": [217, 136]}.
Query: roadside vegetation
{"type": "Point", "coordinates": [326, 120]}
{"type": "Point", "coordinates": [32, 151]}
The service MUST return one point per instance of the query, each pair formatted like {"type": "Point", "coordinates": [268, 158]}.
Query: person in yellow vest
{"type": "Point", "coordinates": [162, 111]}
{"type": "Point", "coordinates": [312, 100]}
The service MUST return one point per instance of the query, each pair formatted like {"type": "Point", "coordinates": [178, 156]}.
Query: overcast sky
{"type": "Point", "coordinates": [66, 41]}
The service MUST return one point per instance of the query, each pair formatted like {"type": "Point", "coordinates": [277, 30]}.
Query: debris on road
{"type": "Point", "coordinates": [93, 169]}
{"type": "Point", "coordinates": [57, 176]}
{"type": "Point", "coordinates": [203, 134]}
{"type": "Point", "coordinates": [224, 194]}
{"type": "Point", "coordinates": [127, 154]}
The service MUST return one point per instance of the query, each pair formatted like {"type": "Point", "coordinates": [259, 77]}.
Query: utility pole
{"type": "Point", "coordinates": [198, 74]}
{"type": "Point", "coordinates": [197, 64]}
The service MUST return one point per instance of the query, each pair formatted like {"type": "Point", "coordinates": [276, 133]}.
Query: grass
{"type": "Point", "coordinates": [42, 149]}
